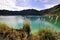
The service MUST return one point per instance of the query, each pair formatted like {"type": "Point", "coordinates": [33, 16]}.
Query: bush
{"type": "Point", "coordinates": [26, 28]}
{"type": "Point", "coordinates": [4, 28]}
{"type": "Point", "coordinates": [46, 35]}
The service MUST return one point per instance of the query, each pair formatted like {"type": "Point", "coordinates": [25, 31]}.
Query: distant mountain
{"type": "Point", "coordinates": [54, 11]}
{"type": "Point", "coordinates": [23, 12]}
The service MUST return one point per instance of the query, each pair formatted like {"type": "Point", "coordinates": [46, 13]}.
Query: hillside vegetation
{"type": "Point", "coordinates": [24, 33]}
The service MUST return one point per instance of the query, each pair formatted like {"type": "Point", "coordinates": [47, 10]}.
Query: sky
{"type": "Point", "coordinates": [17, 5]}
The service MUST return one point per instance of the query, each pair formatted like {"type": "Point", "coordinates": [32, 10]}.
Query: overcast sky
{"type": "Point", "coordinates": [27, 4]}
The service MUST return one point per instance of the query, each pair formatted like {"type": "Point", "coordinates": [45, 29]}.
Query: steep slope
{"type": "Point", "coordinates": [54, 11]}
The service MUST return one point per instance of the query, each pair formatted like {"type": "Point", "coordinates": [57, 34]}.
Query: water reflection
{"type": "Point", "coordinates": [36, 22]}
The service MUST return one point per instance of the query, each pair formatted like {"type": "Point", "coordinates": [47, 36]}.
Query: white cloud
{"type": "Point", "coordinates": [49, 5]}
{"type": "Point", "coordinates": [21, 8]}
{"type": "Point", "coordinates": [54, 1]}
{"type": "Point", "coordinates": [42, 0]}
{"type": "Point", "coordinates": [23, 4]}
{"type": "Point", "coordinates": [45, 0]}
{"type": "Point", "coordinates": [7, 4]}
{"type": "Point", "coordinates": [11, 5]}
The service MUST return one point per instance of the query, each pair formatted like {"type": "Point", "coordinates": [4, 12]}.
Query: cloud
{"type": "Point", "coordinates": [11, 5]}
{"type": "Point", "coordinates": [43, 0]}
{"type": "Point", "coordinates": [44, 4]}
{"type": "Point", "coordinates": [27, 4]}
{"type": "Point", "coordinates": [7, 4]}
{"type": "Point", "coordinates": [21, 8]}
{"type": "Point", "coordinates": [22, 3]}
{"type": "Point", "coordinates": [54, 2]}
{"type": "Point", "coordinates": [16, 5]}
{"type": "Point", "coordinates": [49, 5]}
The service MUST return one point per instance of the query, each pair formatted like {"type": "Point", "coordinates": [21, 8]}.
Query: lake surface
{"type": "Point", "coordinates": [36, 22]}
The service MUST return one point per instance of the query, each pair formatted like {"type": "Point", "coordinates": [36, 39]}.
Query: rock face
{"type": "Point", "coordinates": [54, 11]}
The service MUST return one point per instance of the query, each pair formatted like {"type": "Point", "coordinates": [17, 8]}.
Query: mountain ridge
{"type": "Point", "coordinates": [54, 11]}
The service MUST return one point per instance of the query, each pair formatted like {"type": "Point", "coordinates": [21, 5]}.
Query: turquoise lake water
{"type": "Point", "coordinates": [36, 22]}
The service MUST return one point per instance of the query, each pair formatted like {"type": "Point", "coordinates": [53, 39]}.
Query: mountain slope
{"type": "Point", "coordinates": [54, 11]}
